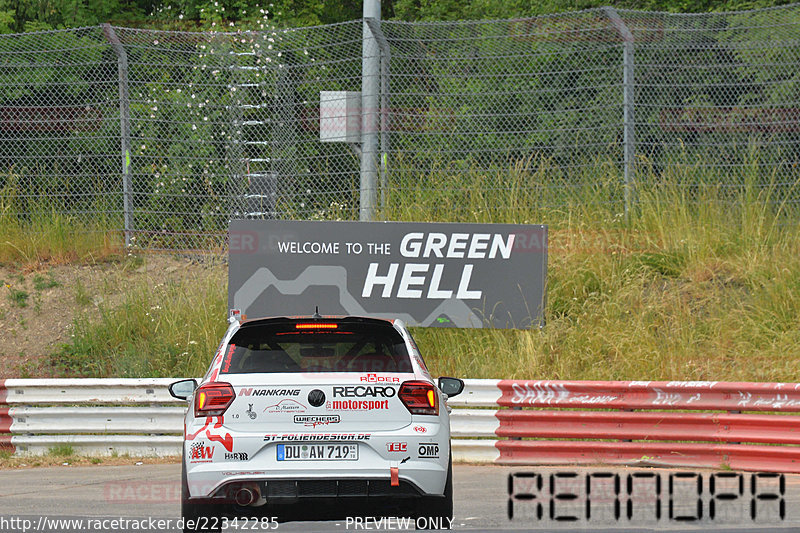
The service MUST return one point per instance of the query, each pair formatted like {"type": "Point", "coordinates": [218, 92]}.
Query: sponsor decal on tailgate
{"type": "Point", "coordinates": [428, 451]}
{"type": "Point", "coordinates": [238, 456]}
{"type": "Point", "coordinates": [396, 446]}
{"type": "Point", "coordinates": [316, 420]}
{"type": "Point", "coordinates": [200, 453]}
{"type": "Point", "coordinates": [361, 391]}
{"type": "Point", "coordinates": [245, 391]}
{"type": "Point", "coordinates": [304, 437]}
{"type": "Point", "coordinates": [375, 378]}
{"type": "Point", "coordinates": [286, 406]}
{"type": "Point", "coordinates": [357, 405]}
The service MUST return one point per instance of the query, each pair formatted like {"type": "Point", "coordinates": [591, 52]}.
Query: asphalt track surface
{"type": "Point", "coordinates": [31, 499]}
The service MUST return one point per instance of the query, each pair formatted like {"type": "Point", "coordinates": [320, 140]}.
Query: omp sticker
{"type": "Point", "coordinates": [428, 451]}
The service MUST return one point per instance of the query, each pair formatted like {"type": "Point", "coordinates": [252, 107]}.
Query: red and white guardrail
{"type": "Point", "coordinates": [751, 426]}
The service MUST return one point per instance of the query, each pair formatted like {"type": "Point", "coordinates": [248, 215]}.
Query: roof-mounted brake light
{"type": "Point", "coordinates": [316, 325]}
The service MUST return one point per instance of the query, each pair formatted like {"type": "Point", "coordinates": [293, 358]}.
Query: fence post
{"type": "Point", "coordinates": [386, 55]}
{"type": "Point", "coordinates": [629, 124]}
{"type": "Point", "coordinates": [370, 92]}
{"type": "Point", "coordinates": [125, 128]}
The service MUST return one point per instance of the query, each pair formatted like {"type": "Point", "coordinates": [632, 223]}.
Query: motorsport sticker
{"type": "Point", "coordinates": [356, 405]}
{"type": "Point", "coordinates": [316, 420]}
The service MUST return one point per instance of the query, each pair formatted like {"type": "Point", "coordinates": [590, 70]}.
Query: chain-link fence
{"type": "Point", "coordinates": [169, 135]}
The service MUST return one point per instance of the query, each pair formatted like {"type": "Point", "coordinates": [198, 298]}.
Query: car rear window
{"type": "Point", "coordinates": [316, 347]}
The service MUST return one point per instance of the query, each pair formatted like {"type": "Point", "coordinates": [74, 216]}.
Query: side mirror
{"type": "Point", "coordinates": [451, 386]}
{"type": "Point", "coordinates": [183, 389]}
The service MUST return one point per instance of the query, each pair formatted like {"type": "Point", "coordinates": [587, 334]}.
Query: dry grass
{"type": "Point", "coordinates": [700, 282]}
{"type": "Point", "coordinates": [40, 233]}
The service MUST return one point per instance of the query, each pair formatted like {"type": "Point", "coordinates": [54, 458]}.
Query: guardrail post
{"type": "Point", "coordinates": [629, 124]}
{"type": "Point", "coordinates": [125, 128]}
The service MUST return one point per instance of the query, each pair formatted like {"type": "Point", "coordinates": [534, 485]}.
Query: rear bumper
{"type": "Point", "coordinates": [413, 481]}
{"type": "Point", "coordinates": [365, 477]}
{"type": "Point", "coordinates": [292, 490]}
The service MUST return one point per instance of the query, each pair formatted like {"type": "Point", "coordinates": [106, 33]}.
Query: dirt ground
{"type": "Point", "coordinates": [14, 462]}
{"type": "Point", "coordinates": [38, 306]}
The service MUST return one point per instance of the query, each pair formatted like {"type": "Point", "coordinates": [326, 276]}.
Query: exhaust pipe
{"type": "Point", "coordinates": [245, 497]}
{"type": "Point", "coordinates": [249, 495]}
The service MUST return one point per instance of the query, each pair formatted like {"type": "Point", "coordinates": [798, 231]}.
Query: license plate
{"type": "Point", "coordinates": [317, 452]}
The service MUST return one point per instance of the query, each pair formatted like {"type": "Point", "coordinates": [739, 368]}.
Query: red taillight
{"type": "Point", "coordinates": [212, 399]}
{"type": "Point", "coordinates": [316, 325]}
{"type": "Point", "coordinates": [419, 397]}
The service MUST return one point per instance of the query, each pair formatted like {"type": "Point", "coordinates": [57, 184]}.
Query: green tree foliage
{"type": "Point", "coordinates": [32, 15]}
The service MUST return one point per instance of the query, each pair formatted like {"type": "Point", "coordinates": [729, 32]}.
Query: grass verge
{"type": "Point", "coordinates": [168, 329]}
{"type": "Point", "coordinates": [35, 232]}
{"type": "Point", "coordinates": [700, 282]}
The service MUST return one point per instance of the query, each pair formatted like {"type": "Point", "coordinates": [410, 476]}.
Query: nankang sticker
{"type": "Point", "coordinates": [428, 451]}
{"type": "Point", "coordinates": [238, 456]}
{"type": "Point", "coordinates": [316, 420]}
{"type": "Point", "coordinates": [360, 391]}
{"type": "Point", "coordinates": [245, 391]}
{"type": "Point", "coordinates": [303, 437]}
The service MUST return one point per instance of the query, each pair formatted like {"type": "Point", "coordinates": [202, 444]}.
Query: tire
{"type": "Point", "coordinates": [437, 510]}
{"type": "Point", "coordinates": [190, 512]}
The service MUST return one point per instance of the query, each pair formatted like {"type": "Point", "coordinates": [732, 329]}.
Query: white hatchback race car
{"type": "Point", "coordinates": [338, 411]}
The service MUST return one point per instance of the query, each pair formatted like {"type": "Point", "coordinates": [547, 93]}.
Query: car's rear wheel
{"type": "Point", "coordinates": [196, 517]}
{"type": "Point", "coordinates": [436, 512]}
